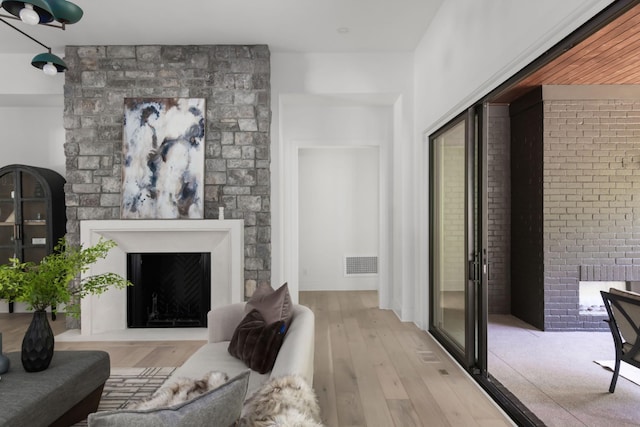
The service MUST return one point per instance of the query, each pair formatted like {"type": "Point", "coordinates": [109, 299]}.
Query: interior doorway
{"type": "Point", "coordinates": [338, 194]}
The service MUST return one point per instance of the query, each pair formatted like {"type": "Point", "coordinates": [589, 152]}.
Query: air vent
{"type": "Point", "coordinates": [360, 265]}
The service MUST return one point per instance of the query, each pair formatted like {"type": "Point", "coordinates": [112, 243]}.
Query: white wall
{"type": "Point", "coordinates": [19, 77]}
{"type": "Point", "coordinates": [31, 111]}
{"type": "Point", "coordinates": [32, 136]}
{"type": "Point", "coordinates": [473, 46]}
{"type": "Point", "coordinates": [338, 215]}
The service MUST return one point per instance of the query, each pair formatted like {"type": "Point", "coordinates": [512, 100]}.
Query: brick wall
{"type": "Point", "coordinates": [235, 82]}
{"type": "Point", "coordinates": [591, 197]}
{"type": "Point", "coordinates": [452, 221]}
{"type": "Point", "coordinates": [499, 210]}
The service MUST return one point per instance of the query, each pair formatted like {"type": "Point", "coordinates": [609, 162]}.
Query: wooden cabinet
{"type": "Point", "coordinates": [32, 212]}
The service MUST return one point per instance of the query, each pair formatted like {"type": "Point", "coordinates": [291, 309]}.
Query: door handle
{"type": "Point", "coordinates": [485, 264]}
{"type": "Point", "coordinates": [474, 269]}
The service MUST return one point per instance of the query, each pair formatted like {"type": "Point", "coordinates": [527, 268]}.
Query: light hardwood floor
{"type": "Point", "coordinates": [370, 368]}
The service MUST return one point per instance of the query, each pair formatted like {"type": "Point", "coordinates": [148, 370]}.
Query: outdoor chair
{"type": "Point", "coordinates": [623, 308]}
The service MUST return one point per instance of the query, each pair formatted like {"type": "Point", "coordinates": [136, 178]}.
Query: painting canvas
{"type": "Point", "coordinates": [163, 158]}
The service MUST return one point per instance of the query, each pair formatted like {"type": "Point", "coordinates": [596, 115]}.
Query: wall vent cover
{"type": "Point", "coordinates": [360, 265]}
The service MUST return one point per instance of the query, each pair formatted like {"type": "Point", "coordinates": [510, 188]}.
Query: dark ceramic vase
{"type": "Point", "coordinates": [37, 345]}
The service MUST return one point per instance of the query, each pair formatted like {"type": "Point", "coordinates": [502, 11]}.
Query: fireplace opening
{"type": "Point", "coordinates": [171, 290]}
{"type": "Point", "coordinates": [589, 298]}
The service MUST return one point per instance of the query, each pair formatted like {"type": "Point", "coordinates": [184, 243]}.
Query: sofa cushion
{"type": "Point", "coordinates": [272, 304]}
{"type": "Point", "coordinates": [219, 407]}
{"type": "Point", "coordinates": [216, 356]}
{"type": "Point", "coordinates": [257, 343]}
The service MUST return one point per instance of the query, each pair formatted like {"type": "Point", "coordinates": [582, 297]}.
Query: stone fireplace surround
{"type": "Point", "coordinates": [105, 316]}
{"type": "Point", "coordinates": [234, 80]}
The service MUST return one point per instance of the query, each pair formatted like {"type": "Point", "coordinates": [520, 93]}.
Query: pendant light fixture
{"type": "Point", "coordinates": [52, 13]}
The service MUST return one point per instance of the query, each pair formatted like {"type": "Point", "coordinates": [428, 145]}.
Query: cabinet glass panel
{"type": "Point", "coordinates": [7, 214]}
{"type": "Point", "coordinates": [6, 235]}
{"type": "Point", "coordinates": [34, 224]}
{"type": "Point", "coordinates": [7, 186]}
{"type": "Point", "coordinates": [5, 254]}
{"type": "Point", "coordinates": [31, 187]}
{"type": "Point", "coordinates": [7, 223]}
{"type": "Point", "coordinates": [35, 234]}
{"type": "Point", "coordinates": [34, 254]}
{"type": "Point", "coordinates": [34, 212]}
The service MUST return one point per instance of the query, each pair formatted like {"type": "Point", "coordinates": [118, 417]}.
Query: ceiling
{"type": "Point", "coordinates": [284, 25]}
{"type": "Point", "coordinates": [609, 56]}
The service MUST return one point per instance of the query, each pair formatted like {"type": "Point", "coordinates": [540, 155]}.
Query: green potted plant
{"type": "Point", "coordinates": [48, 284]}
{"type": "Point", "coordinates": [7, 291]}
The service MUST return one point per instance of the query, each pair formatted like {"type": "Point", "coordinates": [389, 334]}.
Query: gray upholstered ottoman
{"type": "Point", "coordinates": [61, 395]}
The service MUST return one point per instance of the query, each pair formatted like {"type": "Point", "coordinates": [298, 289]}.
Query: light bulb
{"type": "Point", "coordinates": [50, 69]}
{"type": "Point", "coordinates": [28, 15]}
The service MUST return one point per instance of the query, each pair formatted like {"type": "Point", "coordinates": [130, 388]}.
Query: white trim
{"type": "Point", "coordinates": [224, 239]}
{"type": "Point", "coordinates": [291, 209]}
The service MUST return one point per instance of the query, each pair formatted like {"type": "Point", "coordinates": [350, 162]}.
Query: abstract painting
{"type": "Point", "coordinates": [163, 158]}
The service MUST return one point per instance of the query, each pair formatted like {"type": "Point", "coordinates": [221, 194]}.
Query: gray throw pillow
{"type": "Point", "coordinates": [272, 304]}
{"type": "Point", "coordinates": [219, 407]}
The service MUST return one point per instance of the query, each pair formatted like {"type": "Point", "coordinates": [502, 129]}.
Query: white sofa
{"type": "Point", "coordinates": [295, 355]}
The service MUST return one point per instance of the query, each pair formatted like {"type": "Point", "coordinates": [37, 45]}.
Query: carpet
{"type": "Point", "coordinates": [130, 385]}
{"type": "Point", "coordinates": [627, 371]}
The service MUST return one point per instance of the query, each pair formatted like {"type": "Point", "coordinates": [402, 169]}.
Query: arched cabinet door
{"type": "Point", "coordinates": [32, 212]}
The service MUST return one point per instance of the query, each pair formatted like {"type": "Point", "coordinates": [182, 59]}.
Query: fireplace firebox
{"type": "Point", "coordinates": [171, 290]}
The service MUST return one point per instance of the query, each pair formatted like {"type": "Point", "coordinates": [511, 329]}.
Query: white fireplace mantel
{"type": "Point", "coordinates": [224, 239]}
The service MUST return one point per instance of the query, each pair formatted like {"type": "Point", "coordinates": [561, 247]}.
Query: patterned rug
{"type": "Point", "coordinates": [130, 385]}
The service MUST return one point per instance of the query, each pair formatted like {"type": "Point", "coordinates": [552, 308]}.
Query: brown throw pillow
{"type": "Point", "coordinates": [257, 343]}
{"type": "Point", "coordinates": [273, 305]}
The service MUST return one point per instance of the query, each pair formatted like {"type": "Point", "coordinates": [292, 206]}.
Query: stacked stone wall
{"type": "Point", "coordinates": [235, 83]}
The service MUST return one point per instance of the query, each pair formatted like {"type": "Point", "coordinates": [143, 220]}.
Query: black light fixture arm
{"type": "Point", "coordinates": [25, 34]}
{"type": "Point", "coordinates": [42, 12]}
{"type": "Point", "coordinates": [61, 26]}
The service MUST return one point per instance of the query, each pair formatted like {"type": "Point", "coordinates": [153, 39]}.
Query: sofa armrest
{"type": "Point", "coordinates": [297, 351]}
{"type": "Point", "coordinates": [223, 321]}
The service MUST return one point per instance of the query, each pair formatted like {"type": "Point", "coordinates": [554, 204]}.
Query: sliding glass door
{"type": "Point", "coordinates": [457, 259]}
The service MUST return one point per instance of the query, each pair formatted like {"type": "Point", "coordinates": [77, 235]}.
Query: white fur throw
{"type": "Point", "coordinates": [287, 401]}
{"type": "Point", "coordinates": [181, 390]}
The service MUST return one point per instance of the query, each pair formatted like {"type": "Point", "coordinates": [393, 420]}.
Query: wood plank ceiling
{"type": "Point", "coordinates": [609, 56]}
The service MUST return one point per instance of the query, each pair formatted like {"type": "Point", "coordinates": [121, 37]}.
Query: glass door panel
{"type": "Point", "coordinates": [457, 264]}
{"type": "Point", "coordinates": [448, 234]}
